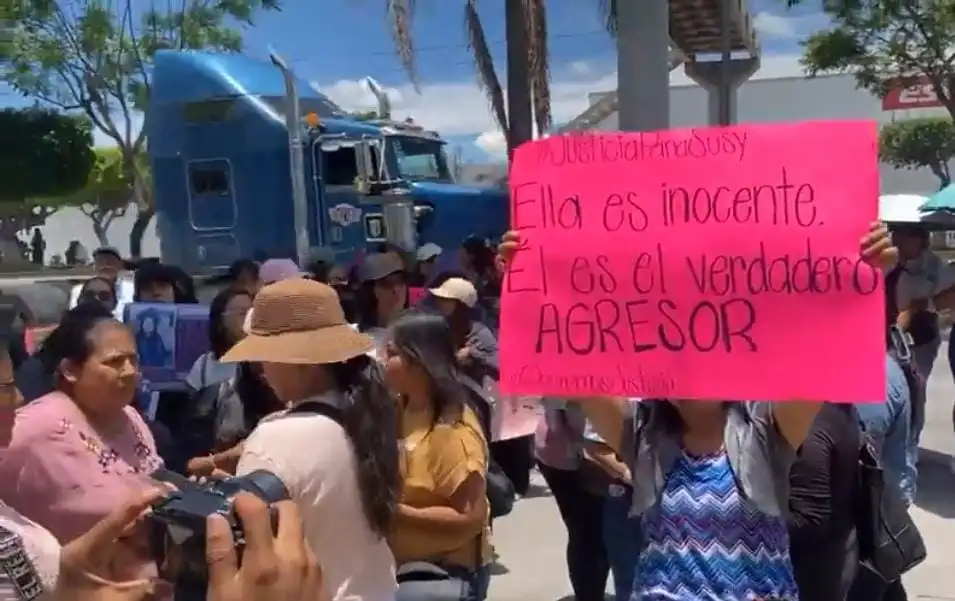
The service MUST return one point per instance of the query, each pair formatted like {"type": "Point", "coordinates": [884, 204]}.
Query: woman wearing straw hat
{"type": "Point", "coordinates": [341, 469]}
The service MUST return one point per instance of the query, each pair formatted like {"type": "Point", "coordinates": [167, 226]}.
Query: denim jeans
{"type": "Point", "coordinates": [621, 539]}
{"type": "Point", "coordinates": [480, 583]}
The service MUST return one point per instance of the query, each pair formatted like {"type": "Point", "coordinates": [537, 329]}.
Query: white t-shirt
{"type": "Point", "coordinates": [313, 457]}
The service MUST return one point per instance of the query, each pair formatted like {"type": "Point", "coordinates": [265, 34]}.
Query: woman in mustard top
{"type": "Point", "coordinates": [442, 517]}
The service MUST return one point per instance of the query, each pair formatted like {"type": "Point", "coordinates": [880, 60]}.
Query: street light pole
{"type": "Point", "coordinates": [643, 66]}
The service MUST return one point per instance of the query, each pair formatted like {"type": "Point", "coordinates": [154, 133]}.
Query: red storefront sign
{"type": "Point", "coordinates": [916, 96]}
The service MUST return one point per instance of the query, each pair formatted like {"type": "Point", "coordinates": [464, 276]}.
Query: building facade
{"type": "Point", "coordinates": [829, 97]}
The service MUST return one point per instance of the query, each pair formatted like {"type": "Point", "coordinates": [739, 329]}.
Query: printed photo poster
{"type": "Point", "coordinates": [699, 263]}
{"type": "Point", "coordinates": [169, 339]}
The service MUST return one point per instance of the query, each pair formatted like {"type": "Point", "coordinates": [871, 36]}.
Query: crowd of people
{"type": "Point", "coordinates": [373, 411]}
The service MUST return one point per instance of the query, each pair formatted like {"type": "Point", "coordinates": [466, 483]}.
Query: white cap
{"type": "Point", "coordinates": [457, 289]}
{"type": "Point", "coordinates": [428, 252]}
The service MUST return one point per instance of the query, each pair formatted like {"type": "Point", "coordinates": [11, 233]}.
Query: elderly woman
{"type": "Point", "coordinates": [80, 451]}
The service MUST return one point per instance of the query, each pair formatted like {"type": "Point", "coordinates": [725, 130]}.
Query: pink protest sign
{"type": "Point", "coordinates": [709, 263]}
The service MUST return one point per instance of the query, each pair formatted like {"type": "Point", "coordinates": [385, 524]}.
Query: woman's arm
{"type": "Point", "coordinates": [464, 515]}
{"type": "Point", "coordinates": [221, 464]}
{"type": "Point", "coordinates": [607, 416]}
{"type": "Point", "coordinates": [810, 496]}
{"type": "Point", "coordinates": [603, 455]}
{"type": "Point", "coordinates": [458, 466]}
{"type": "Point", "coordinates": [598, 451]}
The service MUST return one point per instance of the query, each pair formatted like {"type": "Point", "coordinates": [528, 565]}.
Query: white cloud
{"type": "Point", "coordinates": [459, 108]}
{"type": "Point", "coordinates": [456, 108]}
{"type": "Point", "coordinates": [492, 143]}
{"type": "Point", "coordinates": [580, 68]}
{"type": "Point", "coordinates": [789, 26]}
{"type": "Point", "coordinates": [775, 26]}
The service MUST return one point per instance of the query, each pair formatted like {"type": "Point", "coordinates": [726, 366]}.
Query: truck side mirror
{"type": "Point", "coordinates": [367, 175]}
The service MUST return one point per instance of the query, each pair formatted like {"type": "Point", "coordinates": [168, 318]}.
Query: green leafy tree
{"type": "Point", "coordinates": [42, 153]}
{"type": "Point", "coordinates": [885, 44]}
{"type": "Point", "coordinates": [927, 143]}
{"type": "Point", "coordinates": [94, 57]}
{"type": "Point", "coordinates": [108, 193]}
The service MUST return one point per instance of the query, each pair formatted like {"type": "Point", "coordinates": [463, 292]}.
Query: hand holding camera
{"type": "Point", "coordinates": [106, 563]}
{"type": "Point", "coordinates": [276, 563]}
{"type": "Point", "coordinates": [255, 551]}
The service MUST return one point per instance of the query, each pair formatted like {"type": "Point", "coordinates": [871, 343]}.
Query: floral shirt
{"type": "Point", "coordinates": [59, 472]}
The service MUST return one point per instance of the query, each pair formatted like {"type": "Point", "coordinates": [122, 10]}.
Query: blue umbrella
{"type": "Point", "coordinates": [943, 200]}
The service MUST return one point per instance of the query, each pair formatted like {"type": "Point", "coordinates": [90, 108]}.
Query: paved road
{"type": "Point", "coordinates": [531, 540]}
{"type": "Point", "coordinates": [938, 438]}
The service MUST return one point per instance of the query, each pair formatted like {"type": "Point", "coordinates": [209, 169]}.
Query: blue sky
{"type": "Point", "coordinates": [336, 48]}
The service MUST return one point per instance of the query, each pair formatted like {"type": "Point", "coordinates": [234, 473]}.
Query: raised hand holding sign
{"type": "Point", "coordinates": [710, 263]}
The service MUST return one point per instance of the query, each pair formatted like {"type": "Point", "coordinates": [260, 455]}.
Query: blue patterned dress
{"type": "Point", "coordinates": [704, 542]}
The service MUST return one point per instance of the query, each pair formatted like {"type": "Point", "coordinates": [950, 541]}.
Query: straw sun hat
{"type": "Point", "coordinates": [298, 321]}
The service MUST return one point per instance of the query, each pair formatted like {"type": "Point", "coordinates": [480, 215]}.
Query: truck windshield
{"type": "Point", "coordinates": [419, 159]}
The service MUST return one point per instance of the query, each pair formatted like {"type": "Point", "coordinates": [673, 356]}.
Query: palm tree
{"type": "Point", "coordinates": [528, 72]}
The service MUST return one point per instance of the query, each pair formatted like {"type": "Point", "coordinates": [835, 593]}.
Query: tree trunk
{"type": "Point", "coordinates": [142, 196]}
{"type": "Point", "coordinates": [138, 231]}
{"type": "Point", "coordinates": [100, 232]}
{"type": "Point", "coordinates": [519, 114]}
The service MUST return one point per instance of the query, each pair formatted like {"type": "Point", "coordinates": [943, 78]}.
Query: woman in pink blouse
{"type": "Point", "coordinates": [79, 452]}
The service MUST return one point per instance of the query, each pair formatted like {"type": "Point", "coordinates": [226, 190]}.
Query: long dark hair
{"type": "Point", "coordinates": [480, 254]}
{"type": "Point", "coordinates": [219, 341]}
{"type": "Point", "coordinates": [366, 304]}
{"type": "Point", "coordinates": [425, 340]}
{"type": "Point", "coordinates": [257, 397]}
{"type": "Point", "coordinates": [370, 420]}
{"type": "Point", "coordinates": [459, 323]}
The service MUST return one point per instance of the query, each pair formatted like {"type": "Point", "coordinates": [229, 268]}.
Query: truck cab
{"type": "Point", "coordinates": [250, 161]}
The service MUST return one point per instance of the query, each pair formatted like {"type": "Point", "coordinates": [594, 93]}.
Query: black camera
{"type": "Point", "coordinates": [178, 524]}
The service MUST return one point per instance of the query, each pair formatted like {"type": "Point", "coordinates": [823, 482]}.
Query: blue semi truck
{"type": "Point", "coordinates": [250, 161]}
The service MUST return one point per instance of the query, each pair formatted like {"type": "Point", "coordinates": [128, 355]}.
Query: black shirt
{"type": "Point", "coordinates": [822, 491]}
